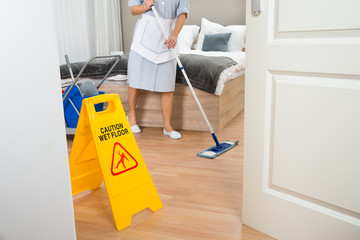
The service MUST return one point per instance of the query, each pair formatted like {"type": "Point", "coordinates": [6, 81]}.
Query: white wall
{"type": "Point", "coordinates": [35, 191]}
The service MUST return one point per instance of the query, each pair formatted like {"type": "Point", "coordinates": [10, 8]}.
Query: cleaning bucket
{"type": "Point", "coordinates": [72, 105]}
{"type": "Point", "coordinates": [75, 93]}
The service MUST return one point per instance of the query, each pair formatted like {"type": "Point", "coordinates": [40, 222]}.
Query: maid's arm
{"type": "Point", "coordinates": [140, 9]}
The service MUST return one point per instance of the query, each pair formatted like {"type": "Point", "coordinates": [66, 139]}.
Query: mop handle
{"type": "Point", "coordinates": [183, 71]}
{"type": "Point", "coordinates": [72, 78]}
{"type": "Point", "coordinates": [69, 67]}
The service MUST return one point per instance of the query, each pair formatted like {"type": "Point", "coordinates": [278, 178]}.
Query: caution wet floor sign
{"type": "Point", "coordinates": [104, 147]}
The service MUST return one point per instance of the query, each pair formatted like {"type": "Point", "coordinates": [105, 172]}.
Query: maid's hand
{"type": "Point", "coordinates": [148, 4]}
{"type": "Point", "coordinates": [171, 42]}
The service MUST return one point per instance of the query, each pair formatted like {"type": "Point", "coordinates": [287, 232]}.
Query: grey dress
{"type": "Point", "coordinates": [144, 74]}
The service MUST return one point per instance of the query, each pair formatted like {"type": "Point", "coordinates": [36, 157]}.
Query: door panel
{"type": "Point", "coordinates": [302, 120]}
{"type": "Point", "coordinates": [319, 15]}
{"type": "Point", "coordinates": [314, 116]}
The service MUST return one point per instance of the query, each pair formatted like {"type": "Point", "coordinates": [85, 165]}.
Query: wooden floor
{"type": "Point", "coordinates": [202, 198]}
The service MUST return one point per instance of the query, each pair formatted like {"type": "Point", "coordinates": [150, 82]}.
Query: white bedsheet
{"type": "Point", "coordinates": [116, 79]}
{"type": "Point", "coordinates": [229, 73]}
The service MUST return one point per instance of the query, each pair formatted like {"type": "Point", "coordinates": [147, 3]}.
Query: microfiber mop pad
{"type": "Point", "coordinates": [215, 151]}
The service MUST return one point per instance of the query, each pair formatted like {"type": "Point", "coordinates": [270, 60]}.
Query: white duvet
{"type": "Point", "coordinates": [229, 73]}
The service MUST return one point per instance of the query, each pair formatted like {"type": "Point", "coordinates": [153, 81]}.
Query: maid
{"type": "Point", "coordinates": [152, 65]}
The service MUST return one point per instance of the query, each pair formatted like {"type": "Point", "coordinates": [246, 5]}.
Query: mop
{"type": "Point", "coordinates": [219, 148]}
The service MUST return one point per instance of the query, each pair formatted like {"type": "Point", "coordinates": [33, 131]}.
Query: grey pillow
{"type": "Point", "coordinates": [216, 42]}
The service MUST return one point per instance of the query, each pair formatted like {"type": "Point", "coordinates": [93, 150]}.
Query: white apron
{"type": "Point", "coordinates": [148, 40]}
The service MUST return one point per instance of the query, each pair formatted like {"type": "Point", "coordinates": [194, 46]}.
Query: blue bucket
{"type": "Point", "coordinates": [71, 116]}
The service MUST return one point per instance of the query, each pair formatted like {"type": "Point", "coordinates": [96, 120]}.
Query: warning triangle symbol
{"type": "Point", "coordinates": [122, 160]}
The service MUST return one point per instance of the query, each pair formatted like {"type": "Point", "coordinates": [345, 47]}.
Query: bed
{"type": "Point", "coordinates": [222, 99]}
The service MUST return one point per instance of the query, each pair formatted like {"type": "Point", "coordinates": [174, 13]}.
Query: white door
{"type": "Point", "coordinates": [302, 120]}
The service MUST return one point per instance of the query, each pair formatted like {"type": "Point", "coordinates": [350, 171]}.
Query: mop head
{"type": "Point", "coordinates": [215, 151]}
{"type": "Point", "coordinates": [88, 89]}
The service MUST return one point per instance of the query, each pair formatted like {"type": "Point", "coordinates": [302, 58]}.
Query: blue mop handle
{"type": "Point", "coordinates": [215, 139]}
{"type": "Point", "coordinates": [186, 77]}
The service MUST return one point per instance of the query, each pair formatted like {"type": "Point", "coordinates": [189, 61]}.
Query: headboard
{"type": "Point", "coordinates": [231, 12]}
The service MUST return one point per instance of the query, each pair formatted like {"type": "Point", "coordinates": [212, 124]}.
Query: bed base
{"type": "Point", "coordinates": [220, 110]}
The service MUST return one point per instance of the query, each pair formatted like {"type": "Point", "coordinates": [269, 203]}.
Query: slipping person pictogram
{"type": "Point", "coordinates": [122, 160]}
{"type": "Point", "coordinates": [120, 154]}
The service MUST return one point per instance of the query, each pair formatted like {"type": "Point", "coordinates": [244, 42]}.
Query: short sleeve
{"type": "Point", "coordinates": [183, 8]}
{"type": "Point", "coordinates": [135, 2]}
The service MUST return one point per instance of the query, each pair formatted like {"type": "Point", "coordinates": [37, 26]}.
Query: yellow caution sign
{"type": "Point", "coordinates": [128, 183]}
{"type": "Point", "coordinates": [85, 171]}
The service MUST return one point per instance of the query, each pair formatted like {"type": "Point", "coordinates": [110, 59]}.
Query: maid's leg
{"type": "Point", "coordinates": [167, 99]}
{"type": "Point", "coordinates": [133, 96]}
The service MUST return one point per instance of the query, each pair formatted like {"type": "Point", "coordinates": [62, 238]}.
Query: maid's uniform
{"type": "Point", "coordinates": [151, 65]}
